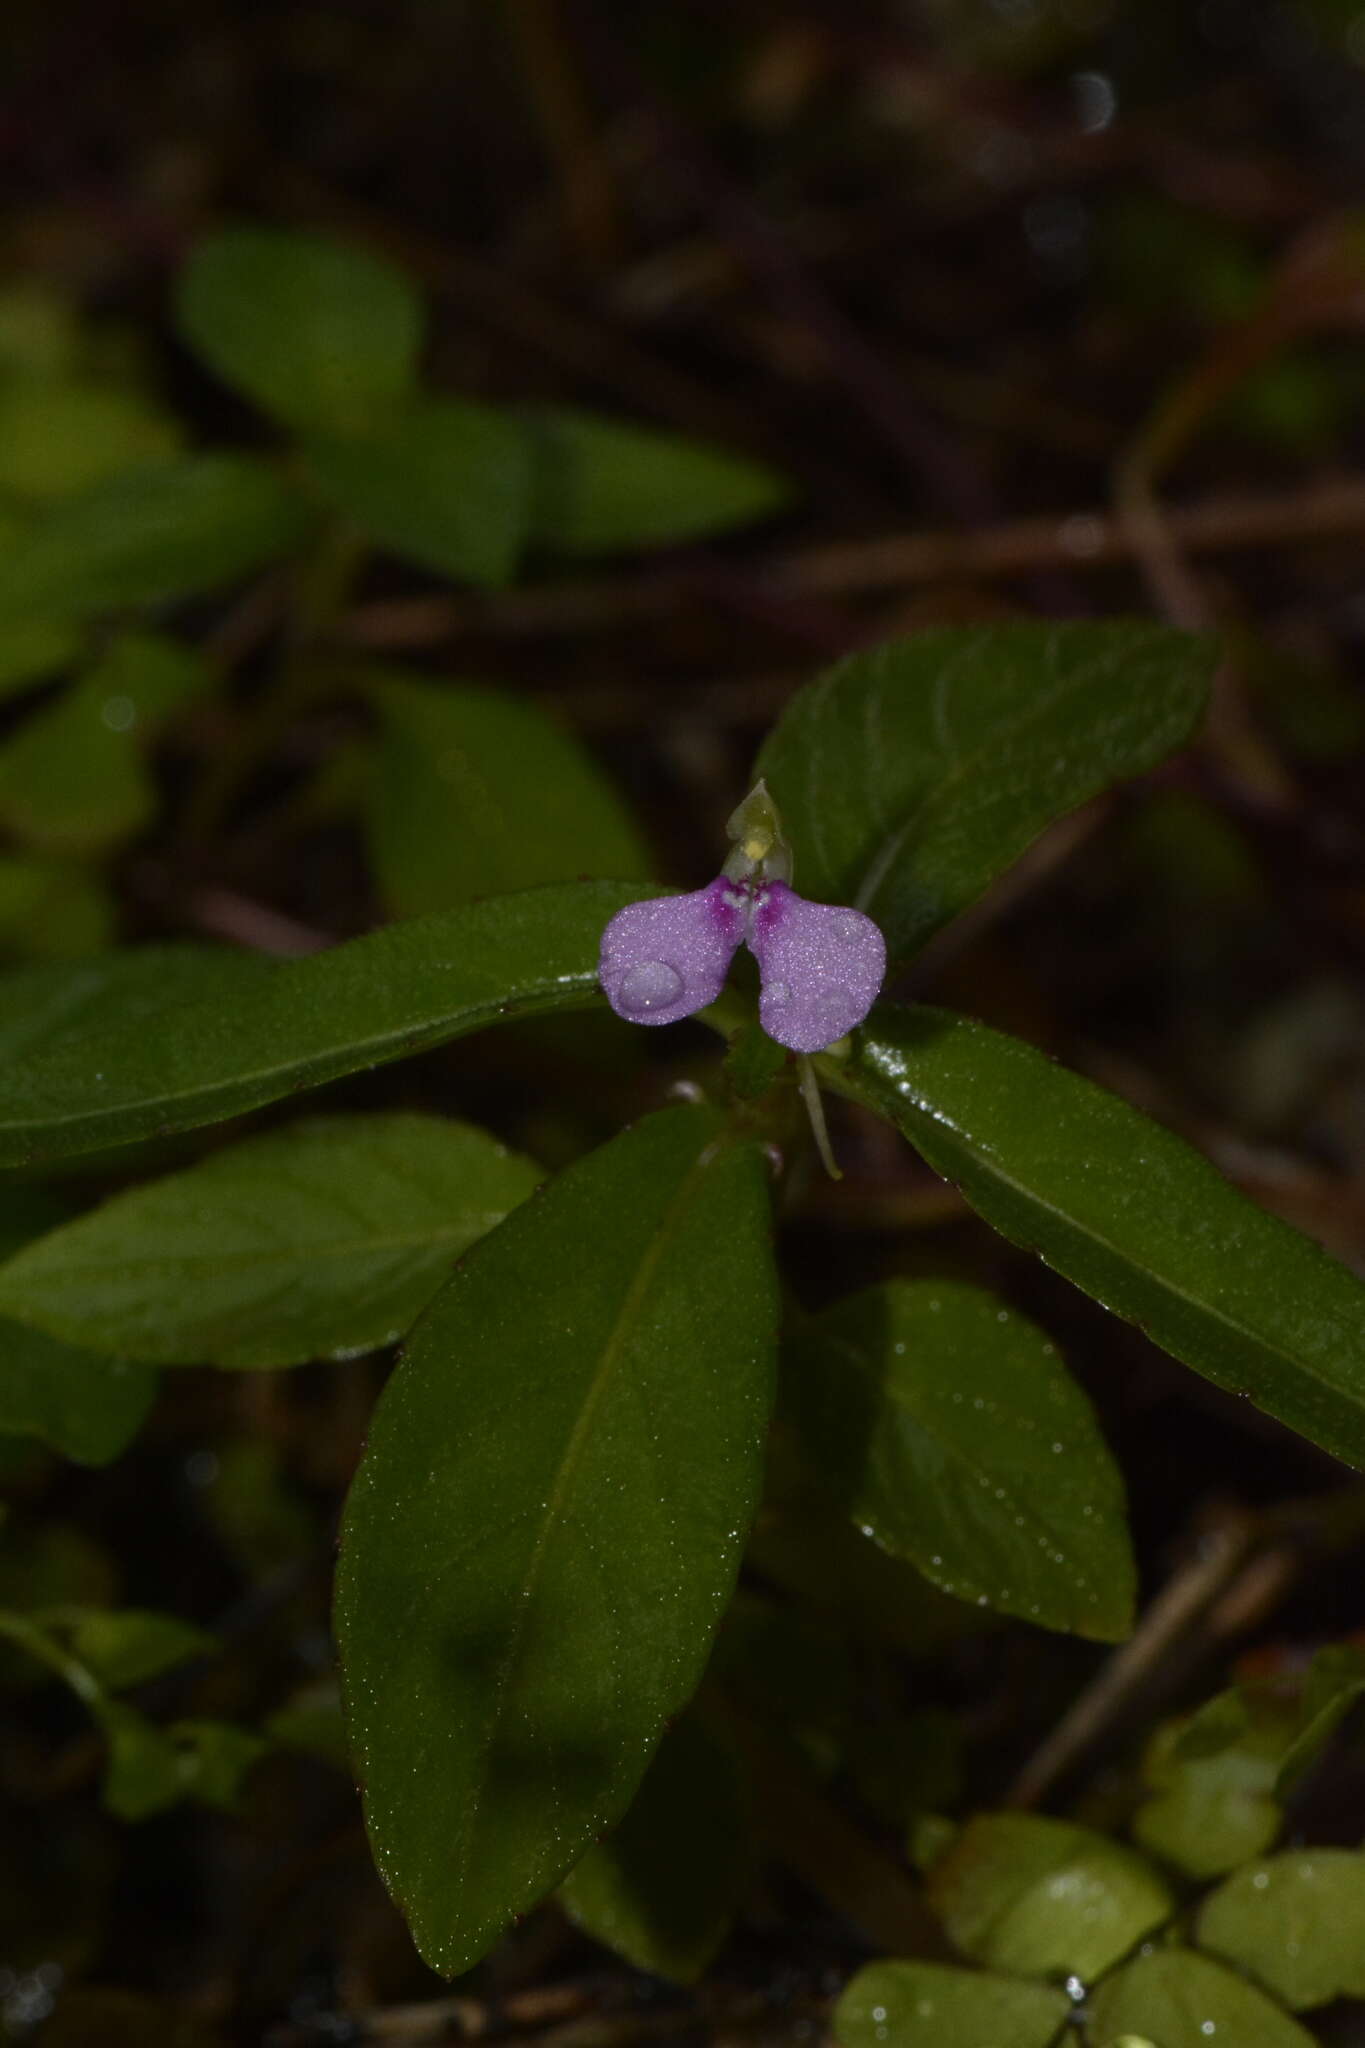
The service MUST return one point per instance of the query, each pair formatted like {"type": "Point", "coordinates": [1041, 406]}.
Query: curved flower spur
{"type": "Point", "coordinates": [821, 965]}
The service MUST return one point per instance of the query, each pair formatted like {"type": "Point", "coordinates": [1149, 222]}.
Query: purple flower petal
{"type": "Point", "coordinates": [666, 958]}
{"type": "Point", "coordinates": [821, 966]}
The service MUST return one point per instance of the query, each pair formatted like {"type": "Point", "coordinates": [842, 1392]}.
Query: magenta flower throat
{"type": "Point", "coordinates": [821, 965]}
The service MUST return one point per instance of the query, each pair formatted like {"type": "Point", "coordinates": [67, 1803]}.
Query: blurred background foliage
{"type": "Point", "coordinates": [702, 344]}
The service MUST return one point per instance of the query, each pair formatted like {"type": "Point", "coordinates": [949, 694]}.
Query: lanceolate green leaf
{"type": "Point", "coordinates": [476, 792]}
{"type": "Point", "coordinates": [378, 998]}
{"type": "Point", "coordinates": [150, 536]}
{"type": "Point", "coordinates": [45, 1005]}
{"type": "Point", "coordinates": [317, 333]}
{"type": "Point", "coordinates": [908, 778]}
{"type": "Point", "coordinates": [322, 1239]}
{"type": "Point", "coordinates": [954, 1435]}
{"type": "Point", "coordinates": [549, 1517]}
{"type": "Point", "coordinates": [1127, 1211]}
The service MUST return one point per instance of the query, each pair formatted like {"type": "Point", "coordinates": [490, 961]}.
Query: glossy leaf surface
{"type": "Point", "coordinates": [924, 2005]}
{"type": "Point", "coordinates": [606, 485]}
{"type": "Point", "coordinates": [548, 1520]}
{"type": "Point", "coordinates": [476, 792]}
{"type": "Point", "coordinates": [373, 999]}
{"type": "Point", "coordinates": [320, 1240]}
{"type": "Point", "coordinates": [663, 1889]}
{"type": "Point", "coordinates": [320, 334]}
{"type": "Point", "coordinates": [1296, 1923]}
{"type": "Point", "coordinates": [149, 536]}
{"type": "Point", "coordinates": [1045, 1898]}
{"type": "Point", "coordinates": [954, 1435]}
{"type": "Point", "coordinates": [445, 484]}
{"type": "Point", "coordinates": [1181, 2000]}
{"type": "Point", "coordinates": [909, 777]}
{"type": "Point", "coordinates": [1130, 1213]}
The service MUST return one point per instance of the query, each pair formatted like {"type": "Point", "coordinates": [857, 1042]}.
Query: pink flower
{"type": "Point", "coordinates": [821, 965]}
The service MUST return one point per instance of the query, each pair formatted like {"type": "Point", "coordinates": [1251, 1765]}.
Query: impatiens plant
{"type": "Point", "coordinates": [648, 1506]}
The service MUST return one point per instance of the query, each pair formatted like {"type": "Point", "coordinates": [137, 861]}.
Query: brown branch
{"type": "Point", "coordinates": [1220, 524]}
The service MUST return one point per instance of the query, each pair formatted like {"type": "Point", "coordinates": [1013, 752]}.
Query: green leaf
{"type": "Point", "coordinates": [1127, 1211]}
{"type": "Point", "coordinates": [31, 650]}
{"type": "Point", "coordinates": [924, 2005]}
{"type": "Point", "coordinates": [604, 485]}
{"type": "Point", "coordinates": [1180, 2000]}
{"type": "Point", "coordinates": [73, 780]}
{"type": "Point", "coordinates": [663, 1890]}
{"type": "Point", "coordinates": [59, 438]}
{"type": "Point", "coordinates": [85, 1406]}
{"type": "Point", "coordinates": [53, 907]}
{"type": "Point", "coordinates": [149, 536]}
{"type": "Point", "coordinates": [125, 1646]}
{"type": "Point", "coordinates": [909, 777]}
{"type": "Point", "coordinates": [1044, 1898]}
{"type": "Point", "coordinates": [446, 484]}
{"type": "Point", "coordinates": [377, 998]}
{"type": "Point", "coordinates": [1297, 1923]}
{"type": "Point", "coordinates": [320, 1240]}
{"type": "Point", "coordinates": [321, 335]}
{"type": "Point", "coordinates": [1220, 1775]}
{"type": "Point", "coordinates": [55, 1002]}
{"type": "Point", "coordinates": [952, 1433]}
{"type": "Point", "coordinates": [548, 1519]}
{"type": "Point", "coordinates": [146, 1771]}
{"type": "Point", "coordinates": [476, 793]}
{"type": "Point", "coordinates": [217, 1757]}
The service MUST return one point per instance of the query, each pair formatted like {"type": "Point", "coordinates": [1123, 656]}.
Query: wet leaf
{"type": "Point", "coordinates": [663, 1889]}
{"type": "Point", "coordinates": [1129, 1212]}
{"type": "Point", "coordinates": [1045, 1898]}
{"type": "Point", "coordinates": [476, 792]}
{"type": "Point", "coordinates": [446, 484]}
{"type": "Point", "coordinates": [377, 998]}
{"type": "Point", "coordinates": [952, 1433]}
{"type": "Point", "coordinates": [923, 2005]}
{"type": "Point", "coordinates": [604, 486]}
{"type": "Point", "coordinates": [908, 778]}
{"type": "Point", "coordinates": [48, 1004]}
{"type": "Point", "coordinates": [1182, 2000]}
{"type": "Point", "coordinates": [320, 334]}
{"type": "Point", "coordinates": [323, 1239]}
{"type": "Point", "coordinates": [149, 536]}
{"type": "Point", "coordinates": [1296, 1923]}
{"type": "Point", "coordinates": [548, 1520]}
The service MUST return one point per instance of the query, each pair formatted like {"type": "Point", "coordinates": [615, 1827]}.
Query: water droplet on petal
{"type": "Point", "coordinates": [650, 986]}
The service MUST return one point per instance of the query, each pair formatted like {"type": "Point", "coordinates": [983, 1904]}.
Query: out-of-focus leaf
{"type": "Point", "coordinates": [39, 332]}
{"type": "Point", "coordinates": [58, 438]}
{"type": "Point", "coordinates": [377, 998]}
{"type": "Point", "coordinates": [476, 793]}
{"type": "Point", "coordinates": [909, 777]}
{"type": "Point", "coordinates": [146, 1771]}
{"type": "Point", "coordinates": [663, 1889]}
{"type": "Point", "coordinates": [951, 1431]}
{"type": "Point", "coordinates": [924, 2005]}
{"type": "Point", "coordinates": [603, 486]}
{"type": "Point", "coordinates": [1180, 2000]}
{"type": "Point", "coordinates": [1219, 1777]}
{"type": "Point", "coordinates": [87, 1406]}
{"type": "Point", "coordinates": [123, 1646]}
{"type": "Point", "coordinates": [52, 908]}
{"type": "Point", "coordinates": [320, 1240]}
{"type": "Point", "coordinates": [51, 1564]}
{"type": "Point", "coordinates": [1045, 1898]}
{"type": "Point", "coordinates": [33, 649]}
{"type": "Point", "coordinates": [259, 1516]}
{"type": "Point", "coordinates": [73, 779]}
{"type": "Point", "coordinates": [445, 484]}
{"type": "Point", "coordinates": [47, 1005]}
{"type": "Point", "coordinates": [322, 335]}
{"type": "Point", "coordinates": [219, 1756]}
{"type": "Point", "coordinates": [1129, 1212]}
{"type": "Point", "coordinates": [548, 1520]}
{"type": "Point", "coordinates": [1296, 1923]}
{"type": "Point", "coordinates": [149, 536]}
{"type": "Point", "coordinates": [311, 1723]}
